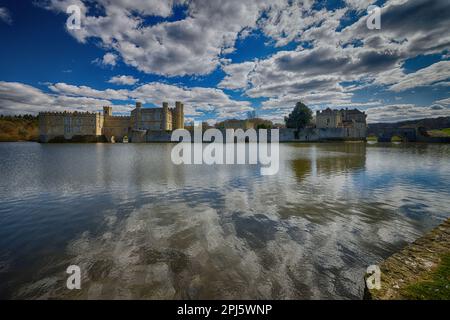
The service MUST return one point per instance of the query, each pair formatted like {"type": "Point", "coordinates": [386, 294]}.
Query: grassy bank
{"type": "Point", "coordinates": [436, 286]}
{"type": "Point", "coordinates": [421, 271]}
{"type": "Point", "coordinates": [21, 128]}
{"type": "Point", "coordinates": [394, 138]}
{"type": "Point", "coordinates": [440, 133]}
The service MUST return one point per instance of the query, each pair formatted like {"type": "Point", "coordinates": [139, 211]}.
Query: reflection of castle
{"type": "Point", "coordinates": [329, 159]}
{"type": "Point", "coordinates": [86, 126]}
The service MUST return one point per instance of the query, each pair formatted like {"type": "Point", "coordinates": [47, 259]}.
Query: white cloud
{"type": "Point", "coordinates": [237, 75]}
{"type": "Point", "coordinates": [437, 72]}
{"type": "Point", "coordinates": [109, 59]}
{"type": "Point", "coordinates": [443, 102]}
{"type": "Point", "coordinates": [359, 4]}
{"type": "Point", "coordinates": [21, 98]}
{"type": "Point", "coordinates": [71, 90]}
{"type": "Point", "coordinates": [191, 46]}
{"type": "Point", "coordinates": [314, 72]}
{"type": "Point", "coordinates": [124, 80]}
{"type": "Point", "coordinates": [195, 44]}
{"type": "Point", "coordinates": [401, 112]}
{"type": "Point", "coordinates": [196, 99]}
{"type": "Point", "coordinates": [5, 15]}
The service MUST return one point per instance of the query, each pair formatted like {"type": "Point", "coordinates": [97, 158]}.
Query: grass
{"type": "Point", "coordinates": [436, 287]}
{"type": "Point", "coordinates": [394, 138]}
{"type": "Point", "coordinates": [440, 133]}
{"type": "Point", "coordinates": [18, 129]}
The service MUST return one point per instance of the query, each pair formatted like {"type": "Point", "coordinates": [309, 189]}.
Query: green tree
{"type": "Point", "coordinates": [299, 118]}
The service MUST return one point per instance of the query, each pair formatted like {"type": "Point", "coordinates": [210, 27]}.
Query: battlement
{"type": "Point", "coordinates": [68, 113]}
{"type": "Point", "coordinates": [118, 117]}
{"type": "Point", "coordinates": [69, 124]}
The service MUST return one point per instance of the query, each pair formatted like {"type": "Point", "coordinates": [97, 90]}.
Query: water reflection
{"type": "Point", "coordinates": [329, 159]}
{"type": "Point", "coordinates": [140, 227]}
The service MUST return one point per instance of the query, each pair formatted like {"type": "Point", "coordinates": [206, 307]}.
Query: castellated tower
{"type": "Point", "coordinates": [165, 118]}
{"type": "Point", "coordinates": [136, 115]}
{"type": "Point", "coordinates": [179, 115]}
{"type": "Point", "coordinates": [107, 111]}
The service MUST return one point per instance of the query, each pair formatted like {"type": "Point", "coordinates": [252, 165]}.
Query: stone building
{"type": "Point", "coordinates": [343, 118]}
{"type": "Point", "coordinates": [87, 126]}
{"type": "Point", "coordinates": [328, 118]}
{"type": "Point", "coordinates": [65, 125]}
{"type": "Point", "coordinates": [158, 119]}
{"type": "Point", "coordinates": [331, 125]}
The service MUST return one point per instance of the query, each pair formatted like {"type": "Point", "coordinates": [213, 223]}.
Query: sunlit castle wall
{"type": "Point", "coordinates": [66, 125]}
{"type": "Point", "coordinates": [115, 128]}
{"type": "Point", "coordinates": [156, 119]}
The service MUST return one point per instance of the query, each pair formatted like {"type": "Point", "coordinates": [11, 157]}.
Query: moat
{"type": "Point", "coordinates": [141, 227]}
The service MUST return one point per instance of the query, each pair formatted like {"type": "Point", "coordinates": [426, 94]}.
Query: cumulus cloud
{"type": "Point", "coordinates": [5, 15]}
{"type": "Point", "coordinates": [21, 98]}
{"type": "Point", "coordinates": [71, 90]}
{"type": "Point", "coordinates": [359, 4]}
{"type": "Point", "coordinates": [437, 72]}
{"type": "Point", "coordinates": [124, 80]}
{"type": "Point", "coordinates": [188, 46]}
{"type": "Point", "coordinates": [443, 102]}
{"type": "Point", "coordinates": [331, 49]}
{"type": "Point", "coordinates": [315, 73]}
{"type": "Point", "coordinates": [237, 75]}
{"type": "Point", "coordinates": [109, 59]}
{"type": "Point", "coordinates": [400, 112]}
{"type": "Point", "coordinates": [196, 99]}
{"type": "Point", "coordinates": [413, 26]}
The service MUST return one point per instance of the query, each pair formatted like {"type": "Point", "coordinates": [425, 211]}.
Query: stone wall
{"type": "Point", "coordinates": [158, 136]}
{"type": "Point", "coordinates": [322, 134]}
{"type": "Point", "coordinates": [328, 118]}
{"type": "Point", "coordinates": [116, 127]}
{"type": "Point", "coordinates": [138, 136]}
{"type": "Point", "coordinates": [155, 119]}
{"type": "Point", "coordinates": [66, 125]}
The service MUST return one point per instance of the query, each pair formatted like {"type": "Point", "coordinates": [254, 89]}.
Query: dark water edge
{"type": "Point", "coordinates": [141, 227]}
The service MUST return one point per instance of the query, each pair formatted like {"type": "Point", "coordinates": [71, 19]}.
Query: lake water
{"type": "Point", "coordinates": [140, 227]}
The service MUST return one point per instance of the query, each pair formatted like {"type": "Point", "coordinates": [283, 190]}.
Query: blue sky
{"type": "Point", "coordinates": [223, 59]}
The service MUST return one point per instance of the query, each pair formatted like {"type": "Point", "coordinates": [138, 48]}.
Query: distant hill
{"type": "Point", "coordinates": [18, 128]}
{"type": "Point", "coordinates": [428, 123]}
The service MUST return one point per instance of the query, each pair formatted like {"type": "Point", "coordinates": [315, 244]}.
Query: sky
{"type": "Point", "coordinates": [224, 58]}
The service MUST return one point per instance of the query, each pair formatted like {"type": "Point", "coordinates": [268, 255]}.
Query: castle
{"type": "Point", "coordinates": [343, 118]}
{"type": "Point", "coordinates": [91, 127]}
{"type": "Point", "coordinates": [330, 125]}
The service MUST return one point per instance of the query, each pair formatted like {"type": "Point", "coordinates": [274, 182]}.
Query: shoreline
{"type": "Point", "coordinates": [418, 271]}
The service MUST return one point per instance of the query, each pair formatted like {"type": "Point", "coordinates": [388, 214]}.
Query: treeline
{"type": "Point", "coordinates": [428, 123]}
{"type": "Point", "coordinates": [18, 128]}
{"type": "Point", "coordinates": [19, 116]}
